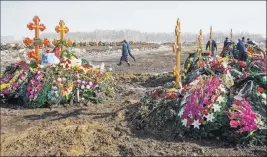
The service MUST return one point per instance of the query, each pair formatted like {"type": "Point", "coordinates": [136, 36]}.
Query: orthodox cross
{"type": "Point", "coordinates": [36, 41]}
{"type": "Point", "coordinates": [62, 29]}
{"type": "Point", "coordinates": [177, 50]}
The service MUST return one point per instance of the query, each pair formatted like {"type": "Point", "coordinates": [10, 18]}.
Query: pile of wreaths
{"type": "Point", "coordinates": [222, 98]}
{"type": "Point", "coordinates": [70, 81]}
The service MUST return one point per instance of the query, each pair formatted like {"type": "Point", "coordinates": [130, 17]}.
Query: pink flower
{"type": "Point", "coordinates": [15, 85]}
{"type": "Point", "coordinates": [31, 97]}
{"type": "Point", "coordinates": [234, 124]}
{"type": "Point", "coordinates": [29, 88]}
{"type": "Point", "coordinates": [5, 91]}
{"type": "Point", "coordinates": [21, 76]}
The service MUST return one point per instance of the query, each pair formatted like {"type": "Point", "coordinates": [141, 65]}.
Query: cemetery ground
{"type": "Point", "coordinates": [107, 129]}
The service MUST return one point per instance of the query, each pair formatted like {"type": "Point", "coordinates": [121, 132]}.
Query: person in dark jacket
{"type": "Point", "coordinates": [250, 42]}
{"type": "Point", "coordinates": [242, 50]}
{"type": "Point", "coordinates": [214, 46]}
{"type": "Point", "coordinates": [129, 49]}
{"type": "Point", "coordinates": [124, 56]}
{"type": "Point", "coordinates": [226, 42]}
{"type": "Point", "coordinates": [238, 44]}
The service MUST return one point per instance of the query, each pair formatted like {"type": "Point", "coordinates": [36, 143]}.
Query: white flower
{"type": "Point", "coordinates": [87, 86]}
{"type": "Point", "coordinates": [79, 81]}
{"type": "Point", "coordinates": [216, 108]}
{"type": "Point", "coordinates": [224, 63]}
{"type": "Point", "coordinates": [54, 88]}
{"type": "Point", "coordinates": [59, 79]}
{"type": "Point", "coordinates": [64, 79]}
{"type": "Point", "coordinates": [90, 83]}
{"type": "Point", "coordinates": [181, 112]}
{"type": "Point", "coordinates": [210, 117]}
{"type": "Point", "coordinates": [238, 97]}
{"type": "Point", "coordinates": [184, 121]}
{"type": "Point", "coordinates": [82, 87]}
{"type": "Point", "coordinates": [196, 124]}
{"type": "Point", "coordinates": [263, 95]}
{"type": "Point", "coordinates": [56, 95]}
{"type": "Point", "coordinates": [220, 99]}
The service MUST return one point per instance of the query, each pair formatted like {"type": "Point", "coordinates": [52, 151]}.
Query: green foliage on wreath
{"type": "Point", "coordinates": [41, 99]}
{"type": "Point", "coordinates": [33, 64]}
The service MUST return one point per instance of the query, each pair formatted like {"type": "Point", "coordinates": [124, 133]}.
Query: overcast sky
{"type": "Point", "coordinates": [153, 16]}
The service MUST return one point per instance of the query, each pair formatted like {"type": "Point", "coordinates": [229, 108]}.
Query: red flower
{"type": "Point", "coordinates": [96, 81]}
{"type": "Point", "coordinates": [67, 66]}
{"type": "Point", "coordinates": [173, 96]}
{"type": "Point", "coordinates": [260, 89]}
{"type": "Point", "coordinates": [206, 111]}
{"type": "Point", "coordinates": [35, 83]}
{"type": "Point", "coordinates": [29, 89]}
{"type": "Point", "coordinates": [166, 95]}
{"type": "Point", "coordinates": [86, 65]}
{"type": "Point", "coordinates": [39, 88]}
{"type": "Point", "coordinates": [234, 124]}
{"type": "Point", "coordinates": [68, 61]}
{"type": "Point", "coordinates": [242, 64]}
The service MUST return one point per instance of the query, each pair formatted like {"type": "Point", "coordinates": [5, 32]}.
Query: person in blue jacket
{"type": "Point", "coordinates": [242, 49]}
{"type": "Point", "coordinates": [124, 56]}
{"type": "Point", "coordinates": [214, 46]}
{"type": "Point", "coordinates": [129, 49]}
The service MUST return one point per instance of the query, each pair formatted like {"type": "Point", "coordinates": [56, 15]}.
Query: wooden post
{"type": "Point", "coordinates": [177, 50]}
{"type": "Point", "coordinates": [62, 29]}
{"type": "Point", "coordinates": [231, 36]}
{"type": "Point", "coordinates": [210, 40]}
{"type": "Point", "coordinates": [36, 41]}
{"type": "Point", "coordinates": [199, 49]}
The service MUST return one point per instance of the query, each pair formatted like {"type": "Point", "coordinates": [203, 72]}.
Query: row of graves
{"type": "Point", "coordinates": [217, 97]}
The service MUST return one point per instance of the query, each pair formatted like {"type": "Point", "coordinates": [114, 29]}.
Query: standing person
{"type": "Point", "coordinates": [214, 46]}
{"type": "Point", "coordinates": [129, 49]}
{"type": "Point", "coordinates": [125, 53]}
{"type": "Point", "coordinates": [242, 50]}
{"type": "Point", "coordinates": [226, 41]}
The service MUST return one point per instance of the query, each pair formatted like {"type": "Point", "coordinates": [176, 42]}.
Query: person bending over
{"type": "Point", "coordinates": [214, 46]}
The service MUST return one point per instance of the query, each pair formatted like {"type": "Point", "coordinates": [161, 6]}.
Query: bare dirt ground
{"type": "Point", "coordinates": [106, 129]}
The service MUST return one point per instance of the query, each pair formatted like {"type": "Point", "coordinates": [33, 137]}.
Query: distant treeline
{"type": "Point", "coordinates": [131, 35]}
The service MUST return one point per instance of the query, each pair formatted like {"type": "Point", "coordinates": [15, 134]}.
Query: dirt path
{"type": "Point", "coordinates": [105, 129]}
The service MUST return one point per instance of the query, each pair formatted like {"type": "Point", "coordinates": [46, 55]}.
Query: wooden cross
{"type": "Point", "coordinates": [62, 29]}
{"type": "Point", "coordinates": [231, 36]}
{"type": "Point", "coordinates": [199, 50]}
{"type": "Point", "coordinates": [210, 40]}
{"type": "Point", "coordinates": [177, 50]}
{"type": "Point", "coordinates": [37, 41]}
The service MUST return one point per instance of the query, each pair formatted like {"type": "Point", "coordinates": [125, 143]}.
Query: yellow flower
{"type": "Point", "coordinates": [3, 86]}
{"type": "Point", "coordinates": [171, 90]}
{"type": "Point", "coordinates": [72, 58]}
{"type": "Point", "coordinates": [108, 75]}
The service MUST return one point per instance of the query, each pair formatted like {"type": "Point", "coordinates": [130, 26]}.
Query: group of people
{"type": "Point", "coordinates": [241, 47]}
